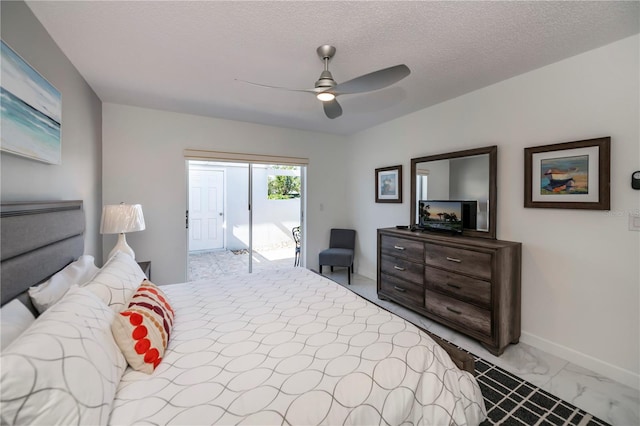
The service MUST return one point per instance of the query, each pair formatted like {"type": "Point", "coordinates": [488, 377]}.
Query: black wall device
{"type": "Point", "coordinates": [635, 180]}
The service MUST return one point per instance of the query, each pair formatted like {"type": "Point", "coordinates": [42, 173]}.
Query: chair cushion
{"type": "Point", "coordinates": [336, 257]}
{"type": "Point", "coordinates": [342, 238]}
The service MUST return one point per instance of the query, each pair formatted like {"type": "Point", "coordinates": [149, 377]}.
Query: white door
{"type": "Point", "coordinates": [206, 209]}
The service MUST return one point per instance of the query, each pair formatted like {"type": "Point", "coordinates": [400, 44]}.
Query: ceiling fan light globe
{"type": "Point", "coordinates": [325, 96]}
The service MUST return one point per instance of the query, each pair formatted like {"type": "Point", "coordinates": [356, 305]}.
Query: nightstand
{"type": "Point", "coordinates": [146, 268]}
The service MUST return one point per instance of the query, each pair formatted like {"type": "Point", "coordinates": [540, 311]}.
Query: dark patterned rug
{"type": "Point", "coordinates": [513, 401]}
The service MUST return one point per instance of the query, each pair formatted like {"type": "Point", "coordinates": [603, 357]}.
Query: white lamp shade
{"type": "Point", "coordinates": [121, 218]}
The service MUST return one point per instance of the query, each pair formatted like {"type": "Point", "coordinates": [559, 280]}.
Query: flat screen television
{"type": "Point", "coordinates": [470, 215]}
{"type": "Point", "coordinates": [441, 216]}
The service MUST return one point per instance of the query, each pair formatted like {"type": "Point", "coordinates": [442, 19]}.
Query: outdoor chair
{"type": "Point", "coordinates": [296, 237]}
{"type": "Point", "coordinates": [341, 250]}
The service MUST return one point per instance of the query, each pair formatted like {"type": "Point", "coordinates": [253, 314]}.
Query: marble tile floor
{"type": "Point", "coordinates": [207, 264]}
{"type": "Point", "coordinates": [604, 398]}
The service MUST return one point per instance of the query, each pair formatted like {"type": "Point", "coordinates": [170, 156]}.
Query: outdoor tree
{"type": "Point", "coordinates": [283, 187]}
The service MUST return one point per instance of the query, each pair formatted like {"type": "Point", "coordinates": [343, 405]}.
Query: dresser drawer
{"type": "Point", "coordinates": [458, 286]}
{"type": "Point", "coordinates": [467, 315]}
{"type": "Point", "coordinates": [410, 293]}
{"type": "Point", "coordinates": [402, 247]}
{"type": "Point", "coordinates": [403, 269]}
{"type": "Point", "coordinates": [459, 260]}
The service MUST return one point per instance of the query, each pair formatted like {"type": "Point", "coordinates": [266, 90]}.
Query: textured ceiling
{"type": "Point", "coordinates": [185, 56]}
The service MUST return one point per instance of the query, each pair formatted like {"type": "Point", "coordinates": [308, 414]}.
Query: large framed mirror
{"type": "Point", "coordinates": [468, 176]}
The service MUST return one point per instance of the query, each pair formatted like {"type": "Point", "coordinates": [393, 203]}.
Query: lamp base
{"type": "Point", "coordinates": [122, 246]}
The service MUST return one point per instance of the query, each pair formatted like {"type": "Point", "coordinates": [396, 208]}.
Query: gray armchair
{"type": "Point", "coordinates": [342, 243]}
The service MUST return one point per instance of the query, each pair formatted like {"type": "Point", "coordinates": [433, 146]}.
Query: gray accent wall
{"type": "Point", "coordinates": [79, 177]}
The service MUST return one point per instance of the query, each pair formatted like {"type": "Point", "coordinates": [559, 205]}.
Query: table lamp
{"type": "Point", "coordinates": [121, 219]}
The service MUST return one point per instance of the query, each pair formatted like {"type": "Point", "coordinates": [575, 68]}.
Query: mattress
{"type": "Point", "coordinates": [292, 347]}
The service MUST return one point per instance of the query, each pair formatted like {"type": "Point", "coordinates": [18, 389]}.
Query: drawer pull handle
{"type": "Point", "coordinates": [400, 289]}
{"type": "Point", "coordinates": [454, 286]}
{"type": "Point", "coordinates": [454, 310]}
{"type": "Point", "coordinates": [453, 259]}
{"type": "Point", "coordinates": [398, 268]}
{"type": "Point", "coordinates": [398, 247]}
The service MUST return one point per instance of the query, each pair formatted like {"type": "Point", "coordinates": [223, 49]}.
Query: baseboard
{"type": "Point", "coordinates": [626, 377]}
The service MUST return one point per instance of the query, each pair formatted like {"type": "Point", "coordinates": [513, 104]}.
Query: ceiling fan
{"type": "Point", "coordinates": [326, 89]}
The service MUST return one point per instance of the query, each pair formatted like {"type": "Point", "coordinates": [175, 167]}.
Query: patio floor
{"type": "Point", "coordinates": [208, 264]}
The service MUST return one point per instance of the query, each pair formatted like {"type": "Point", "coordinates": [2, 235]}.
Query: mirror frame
{"type": "Point", "coordinates": [493, 190]}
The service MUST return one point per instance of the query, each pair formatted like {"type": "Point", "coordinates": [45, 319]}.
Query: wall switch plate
{"type": "Point", "coordinates": [634, 221]}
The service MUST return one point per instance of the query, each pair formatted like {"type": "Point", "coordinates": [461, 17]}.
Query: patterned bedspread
{"type": "Point", "coordinates": [292, 347]}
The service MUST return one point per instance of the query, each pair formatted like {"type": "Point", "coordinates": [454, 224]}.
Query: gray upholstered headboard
{"type": "Point", "coordinates": [37, 240]}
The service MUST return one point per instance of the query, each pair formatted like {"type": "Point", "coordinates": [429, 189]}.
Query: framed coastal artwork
{"type": "Point", "coordinates": [31, 111]}
{"type": "Point", "coordinates": [389, 184]}
{"type": "Point", "coordinates": [570, 175]}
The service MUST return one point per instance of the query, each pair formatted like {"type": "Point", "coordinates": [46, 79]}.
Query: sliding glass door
{"type": "Point", "coordinates": [276, 210]}
{"type": "Point", "coordinates": [241, 216]}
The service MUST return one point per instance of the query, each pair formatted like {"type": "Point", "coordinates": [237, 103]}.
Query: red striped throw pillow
{"type": "Point", "coordinates": [142, 330]}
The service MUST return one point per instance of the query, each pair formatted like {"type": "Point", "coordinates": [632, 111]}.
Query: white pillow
{"type": "Point", "coordinates": [118, 279]}
{"type": "Point", "coordinates": [76, 273]}
{"type": "Point", "coordinates": [65, 368]}
{"type": "Point", "coordinates": [14, 319]}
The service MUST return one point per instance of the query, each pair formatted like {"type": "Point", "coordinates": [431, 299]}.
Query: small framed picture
{"type": "Point", "coordinates": [389, 184]}
{"type": "Point", "coordinates": [570, 175]}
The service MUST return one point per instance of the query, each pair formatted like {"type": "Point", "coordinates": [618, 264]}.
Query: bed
{"type": "Point", "coordinates": [283, 347]}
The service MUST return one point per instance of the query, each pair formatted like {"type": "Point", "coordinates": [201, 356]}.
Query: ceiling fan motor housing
{"type": "Point", "coordinates": [326, 80]}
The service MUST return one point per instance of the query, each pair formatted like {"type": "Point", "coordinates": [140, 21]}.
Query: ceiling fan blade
{"type": "Point", "coordinates": [332, 109]}
{"type": "Point", "coordinates": [373, 81]}
{"type": "Point", "coordinates": [314, 90]}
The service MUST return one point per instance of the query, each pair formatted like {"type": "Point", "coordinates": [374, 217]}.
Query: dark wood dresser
{"type": "Point", "coordinates": [469, 284]}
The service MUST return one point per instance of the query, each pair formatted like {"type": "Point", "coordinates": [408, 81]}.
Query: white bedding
{"type": "Point", "coordinates": [291, 347]}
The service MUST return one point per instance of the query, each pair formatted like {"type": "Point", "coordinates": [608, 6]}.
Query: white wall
{"type": "Point", "coordinates": [143, 162]}
{"type": "Point", "coordinates": [79, 175]}
{"type": "Point", "coordinates": [580, 275]}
